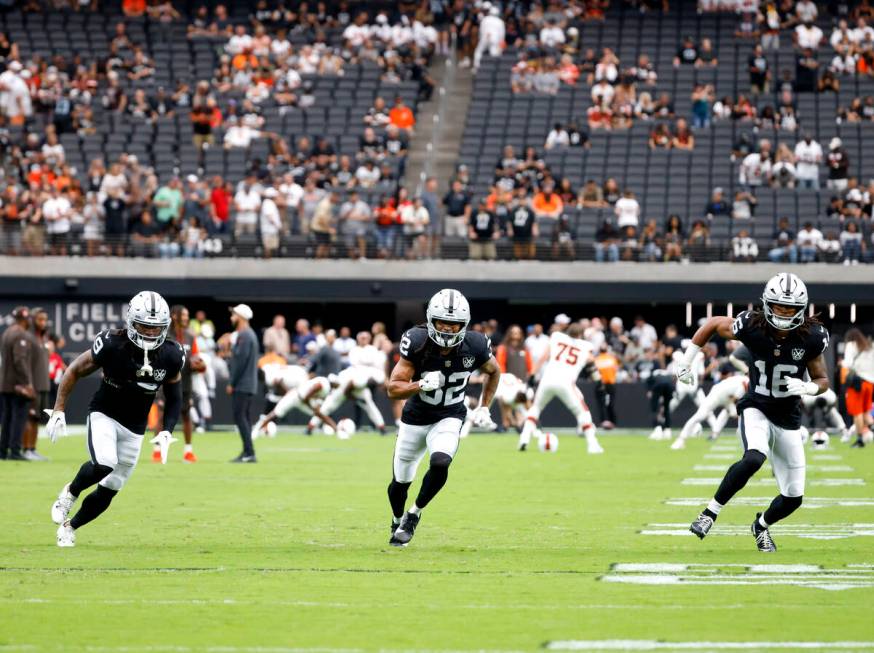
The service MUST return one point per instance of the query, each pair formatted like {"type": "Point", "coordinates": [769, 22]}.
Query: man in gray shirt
{"type": "Point", "coordinates": [327, 359]}
{"type": "Point", "coordinates": [243, 379]}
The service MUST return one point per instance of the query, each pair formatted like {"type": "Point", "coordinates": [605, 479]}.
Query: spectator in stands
{"type": "Point", "coordinates": [687, 53]}
{"type": "Point", "coordinates": [643, 72]}
{"type": "Point", "coordinates": [808, 156]}
{"type": "Point", "coordinates": [611, 191]}
{"type": "Point", "coordinates": [627, 210]}
{"type": "Point", "coordinates": [755, 169]}
{"type": "Point", "coordinates": [414, 218]}
{"type": "Point", "coordinates": [806, 67]}
{"type": "Point", "coordinates": [828, 83]}
{"type": "Point", "coordinates": [355, 220]}
{"type": "Point", "coordinates": [270, 222]}
{"type": "Point", "coordinates": [145, 236]}
{"type": "Point", "coordinates": [743, 206]}
{"type": "Point", "coordinates": [758, 67]}
{"type": "Point", "coordinates": [829, 248]}
{"type": "Point", "coordinates": [784, 250]}
{"type": "Point", "coordinates": [492, 32]}
{"type": "Point", "coordinates": [557, 137]}
{"type": "Point", "coordinates": [674, 236]}
{"type": "Point", "coordinates": [851, 243]}
{"type": "Point", "coordinates": [683, 138]}
{"type": "Point", "coordinates": [717, 206]}
{"type": "Point", "coordinates": [401, 116]}
{"type": "Point", "coordinates": [522, 228]}
{"type": "Point", "coordinates": [546, 78]}
{"type": "Point", "coordinates": [809, 240]}
{"type": "Point", "coordinates": [387, 221]}
{"type": "Point", "coordinates": [599, 116]}
{"type": "Point", "coordinates": [645, 107]}
{"type": "Point", "coordinates": [783, 173]}
{"type": "Point", "coordinates": [458, 210]}
{"type": "Point", "coordinates": [563, 239]}
{"type": "Point", "coordinates": [660, 137]}
{"type": "Point", "coordinates": [168, 202]}
{"type": "Point", "coordinates": [770, 23]}
{"type": "Point", "coordinates": [807, 35]}
{"type": "Point", "coordinates": [546, 203]}
{"type": "Point", "coordinates": [702, 100]}
{"type": "Point", "coordinates": [93, 215]}
{"type": "Point", "coordinates": [607, 241]}
{"type": "Point", "coordinates": [744, 248]}
{"type": "Point", "coordinates": [698, 244]}
{"type": "Point", "coordinates": [706, 55]}
{"type": "Point", "coordinates": [247, 203]}
{"type": "Point", "coordinates": [838, 165]}
{"type": "Point", "coordinates": [591, 196]}
{"type": "Point", "coordinates": [323, 224]}
{"type": "Point", "coordinates": [650, 242]}
{"type": "Point", "coordinates": [628, 244]}
{"type": "Point", "coordinates": [482, 234]}
{"type": "Point", "coordinates": [602, 93]}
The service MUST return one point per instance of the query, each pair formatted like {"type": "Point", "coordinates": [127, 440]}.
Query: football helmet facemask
{"type": "Point", "coordinates": [785, 289]}
{"type": "Point", "coordinates": [448, 305]}
{"type": "Point", "coordinates": [148, 320]}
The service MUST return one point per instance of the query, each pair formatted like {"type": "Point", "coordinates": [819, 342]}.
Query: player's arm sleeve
{"type": "Point", "coordinates": [172, 404]}
{"type": "Point", "coordinates": [485, 353]}
{"type": "Point", "coordinates": [99, 348]}
{"type": "Point", "coordinates": [408, 346]}
{"type": "Point", "coordinates": [740, 328]}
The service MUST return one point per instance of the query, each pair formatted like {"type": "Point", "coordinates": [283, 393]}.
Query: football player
{"type": "Point", "coordinates": [305, 397]}
{"type": "Point", "coordinates": [827, 402]}
{"type": "Point", "coordinates": [562, 363]}
{"type": "Point", "coordinates": [722, 398]}
{"type": "Point", "coordinates": [136, 362]}
{"type": "Point", "coordinates": [436, 362]}
{"type": "Point", "coordinates": [784, 344]}
{"type": "Point", "coordinates": [353, 383]}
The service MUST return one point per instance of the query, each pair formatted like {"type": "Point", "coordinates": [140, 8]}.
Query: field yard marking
{"type": "Point", "coordinates": [816, 468]}
{"type": "Point", "coordinates": [147, 648]}
{"type": "Point", "coordinates": [815, 455]}
{"type": "Point", "coordinates": [721, 456]}
{"type": "Point", "coordinates": [805, 531]}
{"type": "Point", "coordinates": [813, 576]}
{"type": "Point", "coordinates": [813, 503]}
{"type": "Point", "coordinates": [657, 645]}
{"type": "Point", "coordinates": [821, 482]}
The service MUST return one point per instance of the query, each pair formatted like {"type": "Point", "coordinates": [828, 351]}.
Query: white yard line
{"type": "Point", "coordinates": [656, 645]}
{"type": "Point", "coordinates": [814, 503]}
{"type": "Point", "coordinates": [821, 482]}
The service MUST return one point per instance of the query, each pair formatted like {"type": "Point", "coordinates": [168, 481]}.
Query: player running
{"type": "Point", "coordinates": [568, 353]}
{"type": "Point", "coordinates": [135, 364]}
{"type": "Point", "coordinates": [305, 397]}
{"type": "Point", "coordinates": [437, 360]}
{"type": "Point", "coordinates": [784, 343]}
{"type": "Point", "coordinates": [722, 398]}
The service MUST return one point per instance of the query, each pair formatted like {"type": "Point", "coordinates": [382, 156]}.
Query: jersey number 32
{"type": "Point", "coordinates": [451, 390]}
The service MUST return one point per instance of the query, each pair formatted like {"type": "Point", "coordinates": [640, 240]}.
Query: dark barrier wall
{"type": "Point", "coordinates": [632, 407]}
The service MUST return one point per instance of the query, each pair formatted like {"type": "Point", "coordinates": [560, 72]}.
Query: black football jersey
{"type": "Point", "coordinates": [125, 394]}
{"type": "Point", "coordinates": [772, 361]}
{"type": "Point", "coordinates": [456, 367]}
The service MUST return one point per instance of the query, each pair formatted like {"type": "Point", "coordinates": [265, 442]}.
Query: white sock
{"type": "Point", "coordinates": [762, 521]}
{"type": "Point", "coordinates": [188, 448]}
{"type": "Point", "coordinates": [714, 506]}
{"type": "Point", "coordinates": [415, 509]}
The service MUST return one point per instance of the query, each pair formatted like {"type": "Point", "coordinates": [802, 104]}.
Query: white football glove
{"type": "Point", "coordinates": [684, 367]}
{"type": "Point", "coordinates": [797, 387]}
{"type": "Point", "coordinates": [482, 419]}
{"type": "Point", "coordinates": [57, 424]}
{"type": "Point", "coordinates": [163, 440]}
{"type": "Point", "coordinates": [429, 381]}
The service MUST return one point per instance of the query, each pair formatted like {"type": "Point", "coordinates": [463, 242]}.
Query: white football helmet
{"type": "Point", "coordinates": [785, 289]}
{"type": "Point", "coordinates": [448, 305]}
{"type": "Point", "coordinates": [148, 320]}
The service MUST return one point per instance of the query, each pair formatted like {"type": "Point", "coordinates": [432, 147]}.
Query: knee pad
{"type": "Point", "coordinates": [116, 480]}
{"type": "Point", "coordinates": [440, 460]}
{"type": "Point", "coordinates": [752, 461]}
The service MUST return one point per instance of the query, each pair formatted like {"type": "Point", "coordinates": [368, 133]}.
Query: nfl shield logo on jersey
{"type": "Point", "coordinates": [159, 375]}
{"type": "Point", "coordinates": [797, 354]}
{"type": "Point", "coordinates": [468, 361]}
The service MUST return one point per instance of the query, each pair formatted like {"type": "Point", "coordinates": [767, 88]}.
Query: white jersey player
{"type": "Point", "coordinates": [305, 397]}
{"type": "Point", "coordinates": [693, 389]}
{"type": "Point", "coordinates": [512, 394]}
{"type": "Point", "coordinates": [279, 379]}
{"type": "Point", "coordinates": [365, 355]}
{"type": "Point", "coordinates": [722, 397]}
{"type": "Point", "coordinates": [353, 383]}
{"type": "Point", "coordinates": [567, 355]}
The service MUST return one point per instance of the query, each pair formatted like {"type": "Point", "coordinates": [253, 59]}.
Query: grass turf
{"type": "Point", "coordinates": [292, 553]}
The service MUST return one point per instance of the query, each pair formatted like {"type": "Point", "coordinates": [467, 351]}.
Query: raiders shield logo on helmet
{"type": "Point", "coordinates": [797, 354]}
{"type": "Point", "coordinates": [159, 375]}
{"type": "Point", "coordinates": [468, 361]}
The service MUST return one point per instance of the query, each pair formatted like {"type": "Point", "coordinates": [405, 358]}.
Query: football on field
{"type": "Point", "coordinates": [547, 442]}
{"type": "Point", "coordinates": [345, 428]}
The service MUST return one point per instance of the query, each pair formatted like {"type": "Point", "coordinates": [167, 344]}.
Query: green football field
{"type": "Point", "coordinates": [519, 552]}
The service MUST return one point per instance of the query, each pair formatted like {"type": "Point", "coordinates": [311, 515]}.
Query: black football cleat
{"type": "Point", "coordinates": [242, 458]}
{"type": "Point", "coordinates": [763, 538]}
{"type": "Point", "coordinates": [701, 526]}
{"type": "Point", "coordinates": [405, 531]}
